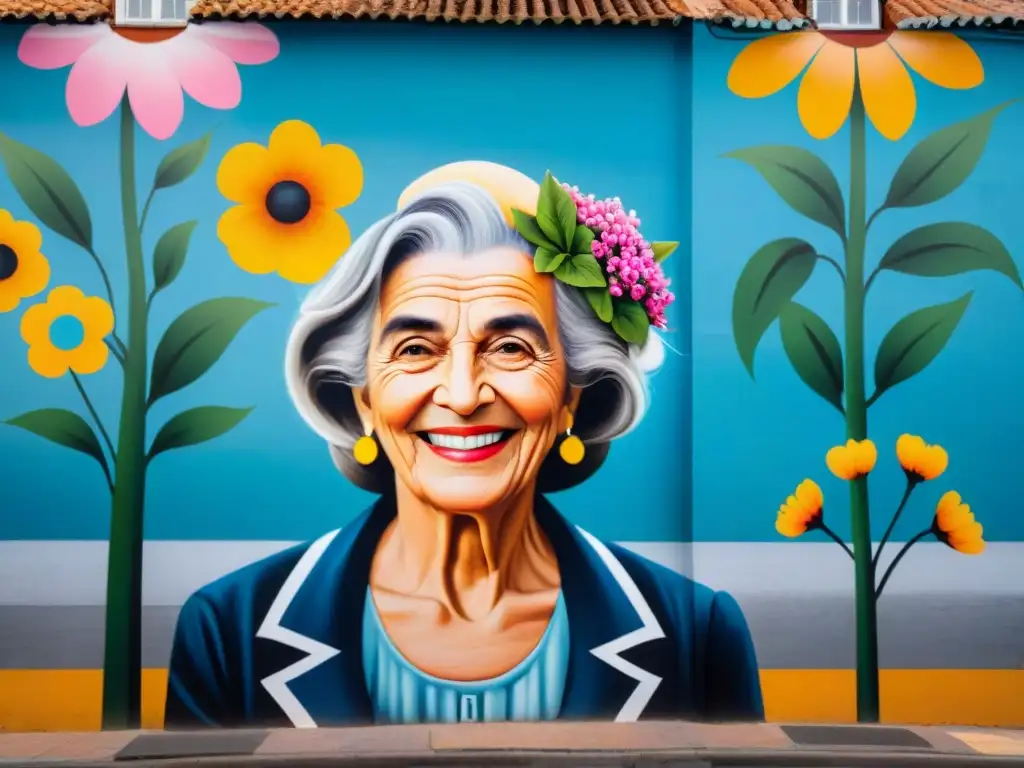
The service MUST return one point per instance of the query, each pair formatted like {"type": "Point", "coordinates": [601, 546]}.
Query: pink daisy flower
{"type": "Point", "coordinates": [199, 60]}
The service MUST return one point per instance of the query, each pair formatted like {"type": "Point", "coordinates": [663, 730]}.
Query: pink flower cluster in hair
{"type": "Point", "coordinates": [627, 257]}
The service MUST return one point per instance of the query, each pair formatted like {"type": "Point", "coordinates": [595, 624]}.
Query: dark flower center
{"type": "Point", "coordinates": [8, 262]}
{"type": "Point", "coordinates": [288, 202]}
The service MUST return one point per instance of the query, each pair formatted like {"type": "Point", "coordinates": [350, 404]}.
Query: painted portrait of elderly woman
{"type": "Point", "coordinates": [453, 372]}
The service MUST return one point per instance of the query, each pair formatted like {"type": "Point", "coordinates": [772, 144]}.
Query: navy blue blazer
{"type": "Point", "coordinates": [279, 641]}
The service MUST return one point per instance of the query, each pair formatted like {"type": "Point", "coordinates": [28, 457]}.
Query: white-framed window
{"type": "Point", "coordinates": [846, 14]}
{"type": "Point", "coordinates": [152, 13]}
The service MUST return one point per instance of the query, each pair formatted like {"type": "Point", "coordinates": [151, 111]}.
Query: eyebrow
{"type": "Point", "coordinates": [507, 323]}
{"type": "Point", "coordinates": [404, 323]}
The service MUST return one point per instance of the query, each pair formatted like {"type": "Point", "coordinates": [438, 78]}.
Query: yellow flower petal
{"type": "Point", "coordinates": [246, 232]}
{"type": "Point", "coordinates": [291, 144]}
{"type": "Point", "coordinates": [867, 456]}
{"type": "Point", "coordinates": [88, 357]}
{"type": "Point", "coordinates": [339, 180]}
{"type": "Point", "coordinates": [941, 58]}
{"type": "Point", "coordinates": [768, 65]}
{"type": "Point", "coordinates": [826, 91]}
{"type": "Point", "coordinates": [887, 90]}
{"type": "Point", "coordinates": [838, 460]}
{"type": "Point", "coordinates": [35, 324]}
{"type": "Point", "coordinates": [809, 495]}
{"type": "Point", "coordinates": [789, 527]}
{"type": "Point", "coordinates": [63, 299]}
{"type": "Point", "coordinates": [22, 236]}
{"type": "Point", "coordinates": [314, 245]}
{"type": "Point", "coordinates": [97, 318]}
{"type": "Point", "coordinates": [33, 274]}
{"type": "Point", "coordinates": [245, 175]}
{"type": "Point", "coordinates": [46, 360]}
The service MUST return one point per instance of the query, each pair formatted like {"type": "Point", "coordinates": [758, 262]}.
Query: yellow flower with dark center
{"type": "Point", "coordinates": [956, 527]}
{"type": "Point", "coordinates": [67, 332]}
{"type": "Point", "coordinates": [839, 61]}
{"type": "Point", "coordinates": [24, 271]}
{"type": "Point", "coordinates": [852, 460]}
{"type": "Point", "coordinates": [288, 193]}
{"type": "Point", "coordinates": [919, 460]}
{"type": "Point", "coordinates": [802, 511]}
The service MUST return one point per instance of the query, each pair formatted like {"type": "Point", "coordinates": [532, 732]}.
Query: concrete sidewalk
{"type": "Point", "coordinates": [525, 744]}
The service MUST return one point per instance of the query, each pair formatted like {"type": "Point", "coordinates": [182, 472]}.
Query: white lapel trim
{"type": "Point", "coordinates": [647, 682]}
{"type": "Point", "coordinates": [277, 684]}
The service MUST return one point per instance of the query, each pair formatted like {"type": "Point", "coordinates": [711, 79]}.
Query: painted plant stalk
{"type": "Point", "coordinates": [188, 348]}
{"type": "Point", "coordinates": [765, 292]}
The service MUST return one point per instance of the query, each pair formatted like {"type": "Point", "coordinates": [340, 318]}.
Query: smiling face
{"type": "Point", "coordinates": [466, 377]}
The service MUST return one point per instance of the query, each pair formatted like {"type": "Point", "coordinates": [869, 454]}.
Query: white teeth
{"type": "Point", "coordinates": [460, 443]}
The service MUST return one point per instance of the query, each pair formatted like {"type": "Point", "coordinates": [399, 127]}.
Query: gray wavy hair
{"type": "Point", "coordinates": [327, 350]}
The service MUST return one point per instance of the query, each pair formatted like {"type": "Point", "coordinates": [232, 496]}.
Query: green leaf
{"type": "Point", "coordinates": [63, 428]}
{"type": "Point", "coordinates": [48, 191]}
{"type": "Point", "coordinates": [910, 345]}
{"type": "Point", "coordinates": [528, 228]}
{"type": "Point", "coordinates": [600, 301]}
{"type": "Point", "coordinates": [582, 239]}
{"type": "Point", "coordinates": [769, 280]}
{"type": "Point", "coordinates": [169, 254]}
{"type": "Point", "coordinates": [180, 163]}
{"type": "Point", "coordinates": [814, 351]}
{"type": "Point", "coordinates": [196, 340]}
{"type": "Point", "coordinates": [631, 323]}
{"type": "Point", "coordinates": [547, 260]}
{"type": "Point", "coordinates": [556, 213]}
{"type": "Point", "coordinates": [949, 248]}
{"type": "Point", "coordinates": [941, 162]}
{"type": "Point", "coordinates": [196, 425]}
{"type": "Point", "coordinates": [802, 179]}
{"type": "Point", "coordinates": [663, 250]}
{"type": "Point", "coordinates": [581, 271]}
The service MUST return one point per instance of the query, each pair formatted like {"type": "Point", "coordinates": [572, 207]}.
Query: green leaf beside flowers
{"type": "Point", "coordinates": [813, 351]}
{"type": "Point", "coordinates": [194, 426]}
{"type": "Point", "coordinates": [950, 248]}
{"type": "Point", "coordinates": [196, 340]}
{"type": "Point", "coordinates": [169, 254]}
{"type": "Point", "coordinates": [556, 213]}
{"type": "Point", "coordinates": [802, 180]}
{"type": "Point", "coordinates": [911, 345]}
{"type": "Point", "coordinates": [529, 230]}
{"type": "Point", "coordinates": [64, 428]}
{"type": "Point", "coordinates": [48, 191]}
{"type": "Point", "coordinates": [547, 260]}
{"type": "Point", "coordinates": [180, 163]}
{"type": "Point", "coordinates": [768, 282]}
{"type": "Point", "coordinates": [630, 322]}
{"type": "Point", "coordinates": [663, 250]}
{"type": "Point", "coordinates": [941, 162]}
{"type": "Point", "coordinates": [601, 302]}
{"type": "Point", "coordinates": [582, 240]}
{"type": "Point", "coordinates": [581, 271]}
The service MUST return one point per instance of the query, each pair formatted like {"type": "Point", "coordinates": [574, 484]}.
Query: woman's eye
{"type": "Point", "coordinates": [413, 350]}
{"type": "Point", "coordinates": [511, 348]}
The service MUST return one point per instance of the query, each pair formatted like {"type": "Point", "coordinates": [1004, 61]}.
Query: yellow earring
{"type": "Point", "coordinates": [571, 450]}
{"type": "Point", "coordinates": [365, 450]}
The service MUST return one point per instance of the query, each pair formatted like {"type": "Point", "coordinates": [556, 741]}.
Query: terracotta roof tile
{"type": "Point", "coordinates": [57, 10]}
{"type": "Point", "coordinates": [780, 14]}
{"type": "Point", "coordinates": [499, 11]}
{"type": "Point", "coordinates": [930, 13]}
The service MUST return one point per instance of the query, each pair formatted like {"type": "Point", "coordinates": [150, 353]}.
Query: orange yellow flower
{"type": "Point", "coordinates": [956, 527]}
{"type": "Point", "coordinates": [67, 332]}
{"type": "Point", "coordinates": [288, 193]}
{"type": "Point", "coordinates": [919, 460]}
{"type": "Point", "coordinates": [852, 460]}
{"type": "Point", "coordinates": [24, 271]}
{"type": "Point", "coordinates": [840, 61]}
{"type": "Point", "coordinates": [802, 511]}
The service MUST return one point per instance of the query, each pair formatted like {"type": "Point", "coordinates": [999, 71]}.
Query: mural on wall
{"type": "Point", "coordinates": [469, 353]}
{"type": "Point", "coordinates": [860, 78]}
{"type": "Point", "coordinates": [74, 335]}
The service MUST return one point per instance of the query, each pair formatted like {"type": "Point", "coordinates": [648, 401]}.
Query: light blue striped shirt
{"type": "Point", "coordinates": [532, 690]}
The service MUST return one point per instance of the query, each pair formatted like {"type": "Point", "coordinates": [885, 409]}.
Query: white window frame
{"type": "Point", "coordinates": [155, 19]}
{"type": "Point", "coordinates": [844, 16]}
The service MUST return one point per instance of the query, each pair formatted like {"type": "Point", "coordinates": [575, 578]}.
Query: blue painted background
{"type": "Point", "coordinates": [406, 98]}
{"type": "Point", "coordinates": [754, 442]}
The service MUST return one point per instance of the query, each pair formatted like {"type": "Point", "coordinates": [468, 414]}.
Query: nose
{"type": "Point", "coordinates": [463, 390]}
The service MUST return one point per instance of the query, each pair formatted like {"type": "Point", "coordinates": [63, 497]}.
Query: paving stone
{"type": "Point", "coordinates": [90, 746]}
{"type": "Point", "coordinates": [149, 746]}
{"type": "Point", "coordinates": [853, 736]}
{"type": "Point", "coordinates": [392, 739]}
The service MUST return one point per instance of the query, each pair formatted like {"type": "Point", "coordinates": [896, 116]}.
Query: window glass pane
{"type": "Point", "coordinates": [146, 9]}
{"type": "Point", "coordinates": [133, 9]}
{"type": "Point", "coordinates": [179, 10]}
{"type": "Point", "coordinates": [828, 11]}
{"type": "Point", "coordinates": [861, 12]}
{"type": "Point", "coordinates": [166, 9]}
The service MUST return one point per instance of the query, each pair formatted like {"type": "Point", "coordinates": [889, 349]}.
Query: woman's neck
{"type": "Point", "coordinates": [467, 562]}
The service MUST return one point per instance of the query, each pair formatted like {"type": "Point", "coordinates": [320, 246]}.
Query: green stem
{"type": "Point", "coordinates": [911, 484]}
{"type": "Point", "coordinates": [99, 425]}
{"type": "Point", "coordinates": [832, 535]}
{"type": "Point", "coordinates": [122, 657]}
{"type": "Point", "coordinates": [896, 560]}
{"type": "Point", "coordinates": [857, 421]}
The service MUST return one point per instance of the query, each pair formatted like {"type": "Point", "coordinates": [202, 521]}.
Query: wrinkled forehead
{"type": "Point", "coordinates": [448, 287]}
